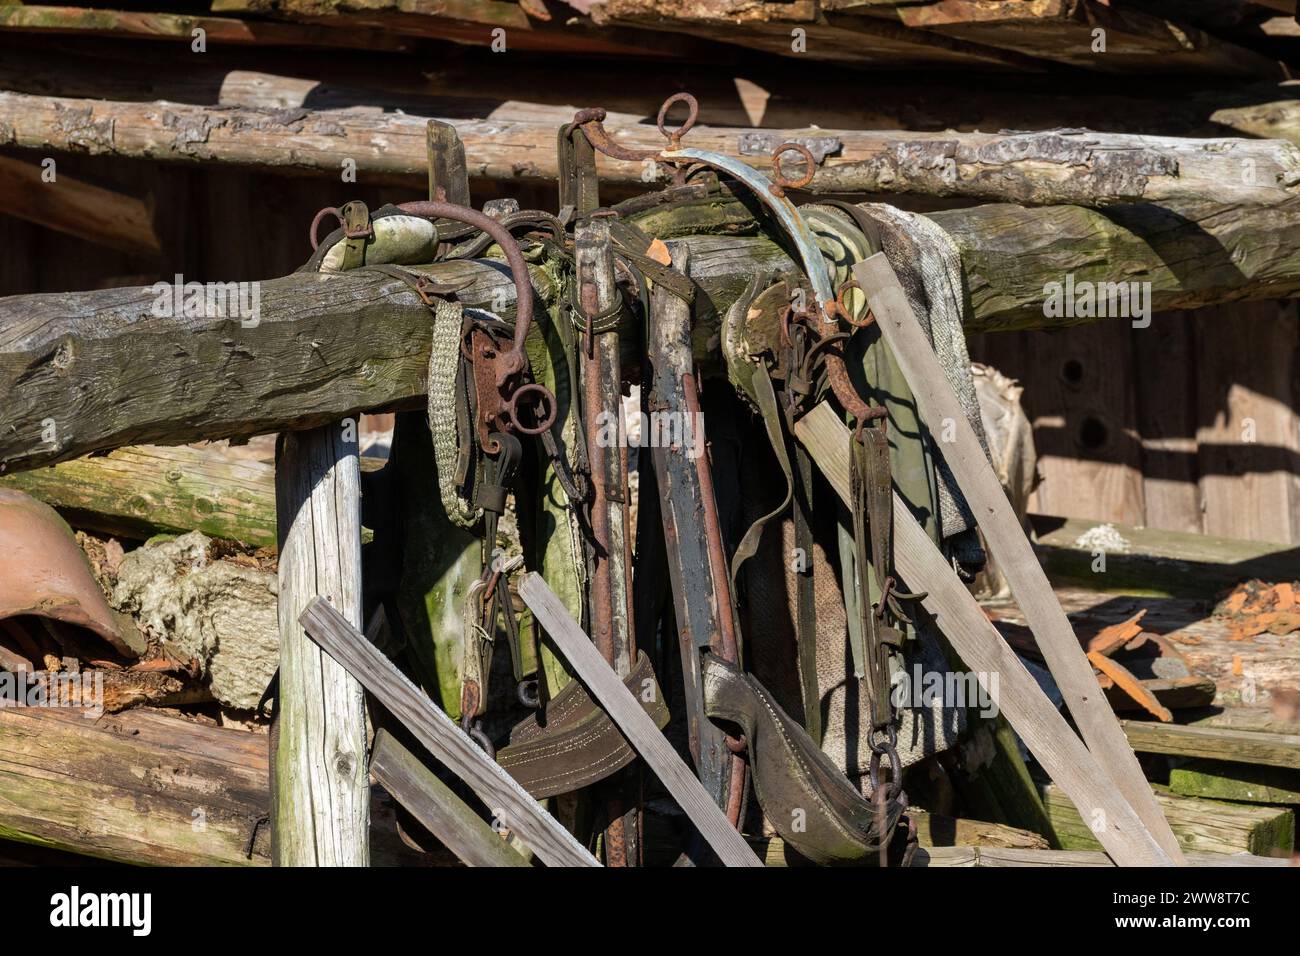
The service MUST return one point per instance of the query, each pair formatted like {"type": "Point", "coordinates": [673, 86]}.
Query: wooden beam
{"type": "Point", "coordinates": [138, 787]}
{"type": "Point", "coordinates": [636, 725]}
{"type": "Point", "coordinates": [1037, 168]}
{"type": "Point", "coordinates": [432, 802]}
{"type": "Point", "coordinates": [321, 794]}
{"type": "Point", "coordinates": [76, 208]}
{"type": "Point", "coordinates": [1216, 743]}
{"type": "Point", "coordinates": [1206, 826]}
{"type": "Point", "coordinates": [1006, 539]}
{"type": "Point", "coordinates": [1040, 725]}
{"type": "Point", "coordinates": [143, 490]}
{"type": "Point", "coordinates": [1014, 856]}
{"type": "Point", "coordinates": [1243, 783]}
{"type": "Point", "coordinates": [435, 730]}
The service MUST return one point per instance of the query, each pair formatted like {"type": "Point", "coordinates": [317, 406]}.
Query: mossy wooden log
{"type": "Point", "coordinates": [1243, 783]}
{"type": "Point", "coordinates": [1037, 168]}
{"type": "Point", "coordinates": [143, 490]}
{"type": "Point", "coordinates": [1206, 826]}
{"type": "Point", "coordinates": [136, 787]}
{"type": "Point", "coordinates": [88, 371]}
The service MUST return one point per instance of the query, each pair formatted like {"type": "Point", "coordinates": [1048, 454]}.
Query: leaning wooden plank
{"type": "Point", "coordinates": [511, 803]}
{"type": "Point", "coordinates": [1006, 539]}
{"type": "Point", "coordinates": [136, 787]}
{"type": "Point", "coordinates": [69, 205]}
{"type": "Point", "coordinates": [635, 724]}
{"type": "Point", "coordinates": [431, 802]}
{"type": "Point", "coordinates": [1034, 168]}
{"type": "Point", "coordinates": [143, 490]}
{"type": "Point", "coordinates": [1215, 743]}
{"type": "Point", "coordinates": [320, 808]}
{"type": "Point", "coordinates": [971, 634]}
{"type": "Point", "coordinates": [1207, 826]}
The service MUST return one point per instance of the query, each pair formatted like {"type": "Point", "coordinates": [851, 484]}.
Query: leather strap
{"type": "Point", "coordinates": [571, 743]}
{"type": "Point", "coordinates": [803, 794]}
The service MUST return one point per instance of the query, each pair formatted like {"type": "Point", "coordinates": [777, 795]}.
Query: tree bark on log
{"type": "Point", "coordinates": [1038, 168]}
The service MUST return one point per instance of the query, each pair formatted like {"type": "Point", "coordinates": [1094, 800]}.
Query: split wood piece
{"type": "Point", "coordinates": [321, 791]}
{"type": "Point", "coordinates": [924, 568]}
{"type": "Point", "coordinates": [1006, 539]}
{"type": "Point", "coordinates": [1110, 639]}
{"type": "Point", "coordinates": [1207, 826]}
{"type": "Point", "coordinates": [610, 585]}
{"type": "Point", "coordinates": [102, 216]}
{"type": "Point", "coordinates": [1215, 743]}
{"type": "Point", "coordinates": [508, 801]}
{"type": "Point", "coordinates": [698, 576]}
{"type": "Point", "coordinates": [1124, 679]}
{"type": "Point", "coordinates": [1046, 167]}
{"type": "Point", "coordinates": [432, 802]}
{"type": "Point", "coordinates": [636, 725]}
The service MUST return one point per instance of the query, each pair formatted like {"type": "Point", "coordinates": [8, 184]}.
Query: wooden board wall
{"type": "Point", "coordinates": [1188, 425]}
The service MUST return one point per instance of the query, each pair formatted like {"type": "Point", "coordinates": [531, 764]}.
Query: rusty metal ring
{"type": "Point", "coordinates": [692, 104]}
{"type": "Point", "coordinates": [780, 176]}
{"type": "Point", "coordinates": [545, 396]}
{"type": "Point", "coordinates": [315, 224]}
{"type": "Point", "coordinates": [846, 313]}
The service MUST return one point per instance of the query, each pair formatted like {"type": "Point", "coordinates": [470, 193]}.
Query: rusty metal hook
{"type": "Point", "coordinates": [693, 113]}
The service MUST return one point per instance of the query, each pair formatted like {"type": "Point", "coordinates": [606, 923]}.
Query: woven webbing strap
{"type": "Point", "coordinates": [444, 359]}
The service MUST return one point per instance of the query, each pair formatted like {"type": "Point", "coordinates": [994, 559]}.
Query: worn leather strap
{"type": "Point", "coordinates": [571, 743]}
{"type": "Point", "coordinates": [803, 794]}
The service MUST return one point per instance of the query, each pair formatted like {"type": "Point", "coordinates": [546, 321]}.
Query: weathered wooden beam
{"type": "Point", "coordinates": [635, 724]}
{"type": "Point", "coordinates": [143, 490]}
{"type": "Point", "coordinates": [1053, 166]}
{"type": "Point", "coordinates": [945, 856]}
{"type": "Point", "coordinates": [1206, 826]}
{"type": "Point", "coordinates": [136, 787]}
{"type": "Point", "coordinates": [447, 742]}
{"type": "Point", "coordinates": [1242, 783]}
{"type": "Point", "coordinates": [72, 206]}
{"type": "Point", "coordinates": [321, 792]}
{"type": "Point", "coordinates": [1216, 743]}
{"type": "Point", "coordinates": [432, 802]}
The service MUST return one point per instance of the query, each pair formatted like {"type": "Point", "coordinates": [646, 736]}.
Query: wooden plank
{"type": "Point", "coordinates": [1248, 442]}
{"type": "Point", "coordinates": [1012, 856]}
{"type": "Point", "coordinates": [106, 217]}
{"type": "Point", "coordinates": [321, 793]}
{"type": "Point", "coordinates": [1215, 743]}
{"type": "Point", "coordinates": [1155, 562]}
{"type": "Point", "coordinates": [1206, 826]}
{"type": "Point", "coordinates": [554, 845]}
{"type": "Point", "coordinates": [431, 802]}
{"type": "Point", "coordinates": [1007, 541]}
{"type": "Point", "coordinates": [636, 725]}
{"type": "Point", "coordinates": [1166, 421]}
{"type": "Point", "coordinates": [1080, 397]}
{"type": "Point", "coordinates": [1040, 725]}
{"type": "Point", "coordinates": [1243, 783]}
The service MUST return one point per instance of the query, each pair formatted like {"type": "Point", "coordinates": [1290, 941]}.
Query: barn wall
{"type": "Point", "coordinates": [1188, 425]}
